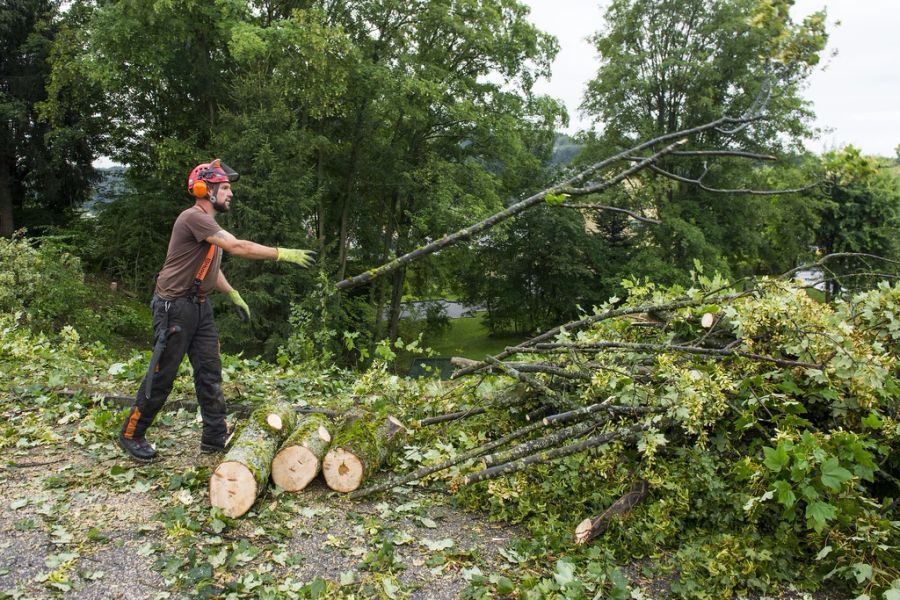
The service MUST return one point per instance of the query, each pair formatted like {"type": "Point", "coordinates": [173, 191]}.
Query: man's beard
{"type": "Point", "coordinates": [222, 206]}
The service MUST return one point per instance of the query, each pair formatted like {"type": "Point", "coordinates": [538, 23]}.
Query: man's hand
{"type": "Point", "coordinates": [304, 258]}
{"type": "Point", "coordinates": [240, 306]}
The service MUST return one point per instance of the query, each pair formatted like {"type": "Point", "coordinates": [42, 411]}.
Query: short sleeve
{"type": "Point", "coordinates": [201, 225]}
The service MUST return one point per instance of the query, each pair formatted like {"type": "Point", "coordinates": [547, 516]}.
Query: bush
{"type": "Point", "coordinates": [46, 287]}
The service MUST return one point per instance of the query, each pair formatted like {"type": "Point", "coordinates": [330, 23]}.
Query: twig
{"type": "Point", "coordinates": [454, 416]}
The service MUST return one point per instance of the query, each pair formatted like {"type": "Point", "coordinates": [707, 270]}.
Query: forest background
{"type": "Point", "coordinates": [366, 129]}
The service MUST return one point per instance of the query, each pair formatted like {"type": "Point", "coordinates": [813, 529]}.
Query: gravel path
{"type": "Point", "coordinates": [87, 523]}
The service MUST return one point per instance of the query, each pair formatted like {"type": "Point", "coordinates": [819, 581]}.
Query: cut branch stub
{"type": "Point", "coordinates": [240, 478]}
{"type": "Point", "coordinates": [300, 457]}
{"type": "Point", "coordinates": [592, 527]}
{"type": "Point", "coordinates": [359, 449]}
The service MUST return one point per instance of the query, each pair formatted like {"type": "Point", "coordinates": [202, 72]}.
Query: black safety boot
{"type": "Point", "coordinates": [137, 448]}
{"type": "Point", "coordinates": [216, 445]}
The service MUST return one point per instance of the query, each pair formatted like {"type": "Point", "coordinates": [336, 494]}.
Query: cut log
{"type": "Point", "coordinates": [300, 457]}
{"type": "Point", "coordinates": [240, 478]}
{"type": "Point", "coordinates": [592, 527]}
{"type": "Point", "coordinates": [359, 450]}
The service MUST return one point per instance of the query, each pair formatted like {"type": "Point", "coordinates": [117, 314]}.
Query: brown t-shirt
{"type": "Point", "coordinates": [187, 249]}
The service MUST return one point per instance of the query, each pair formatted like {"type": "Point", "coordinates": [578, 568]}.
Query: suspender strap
{"type": "Point", "coordinates": [204, 269]}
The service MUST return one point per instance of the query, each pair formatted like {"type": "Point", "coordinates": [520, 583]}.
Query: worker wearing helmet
{"type": "Point", "coordinates": [182, 316]}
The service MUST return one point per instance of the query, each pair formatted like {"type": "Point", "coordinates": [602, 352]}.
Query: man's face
{"type": "Point", "coordinates": [223, 197]}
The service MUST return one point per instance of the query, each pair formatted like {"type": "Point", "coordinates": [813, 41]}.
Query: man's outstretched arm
{"type": "Point", "coordinates": [245, 248]}
{"type": "Point", "coordinates": [248, 249]}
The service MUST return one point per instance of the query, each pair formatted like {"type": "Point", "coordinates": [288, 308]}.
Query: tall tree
{"type": "Point", "coordinates": [861, 216]}
{"type": "Point", "coordinates": [45, 163]}
{"type": "Point", "coordinates": [671, 64]}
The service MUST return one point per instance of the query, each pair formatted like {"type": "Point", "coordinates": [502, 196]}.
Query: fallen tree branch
{"type": "Point", "coordinates": [582, 323]}
{"type": "Point", "coordinates": [567, 186]}
{"type": "Point", "coordinates": [591, 528]}
{"type": "Point", "coordinates": [454, 416]}
{"type": "Point", "coordinates": [460, 458]}
{"type": "Point", "coordinates": [657, 348]}
{"type": "Point", "coordinates": [544, 457]}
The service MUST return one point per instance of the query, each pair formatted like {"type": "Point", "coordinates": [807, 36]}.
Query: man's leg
{"type": "Point", "coordinates": [174, 320]}
{"type": "Point", "coordinates": [204, 355]}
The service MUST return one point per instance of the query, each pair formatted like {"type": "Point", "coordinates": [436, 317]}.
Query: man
{"type": "Point", "coordinates": [182, 316]}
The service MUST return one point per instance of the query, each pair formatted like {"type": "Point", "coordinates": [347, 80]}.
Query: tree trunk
{"type": "Point", "coordinates": [359, 449]}
{"type": "Point", "coordinates": [396, 297]}
{"type": "Point", "coordinates": [348, 187]}
{"type": "Point", "coordinates": [300, 457]}
{"type": "Point", "coordinates": [241, 477]}
{"type": "Point", "coordinates": [7, 227]}
{"type": "Point", "coordinates": [592, 527]}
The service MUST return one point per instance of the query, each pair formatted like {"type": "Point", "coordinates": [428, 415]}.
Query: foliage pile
{"type": "Point", "coordinates": [46, 287]}
{"type": "Point", "coordinates": [759, 469]}
{"type": "Point", "coordinates": [774, 460]}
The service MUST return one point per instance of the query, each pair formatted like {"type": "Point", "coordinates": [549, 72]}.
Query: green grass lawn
{"type": "Point", "coordinates": [467, 337]}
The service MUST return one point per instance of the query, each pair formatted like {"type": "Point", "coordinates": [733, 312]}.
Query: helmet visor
{"type": "Point", "coordinates": [222, 172]}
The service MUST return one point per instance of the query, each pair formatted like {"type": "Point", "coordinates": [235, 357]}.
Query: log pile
{"type": "Point", "coordinates": [300, 457]}
{"type": "Point", "coordinates": [359, 449]}
{"type": "Point", "coordinates": [241, 477]}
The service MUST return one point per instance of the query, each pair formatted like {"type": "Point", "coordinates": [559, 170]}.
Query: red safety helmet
{"type": "Point", "coordinates": [212, 172]}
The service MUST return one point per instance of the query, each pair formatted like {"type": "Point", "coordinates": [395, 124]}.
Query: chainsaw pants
{"type": "Point", "coordinates": [185, 327]}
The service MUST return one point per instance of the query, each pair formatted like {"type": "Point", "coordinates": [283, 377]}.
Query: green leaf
{"type": "Point", "coordinates": [862, 572]}
{"type": "Point", "coordinates": [437, 546]}
{"type": "Point", "coordinates": [833, 474]}
{"type": "Point", "coordinates": [776, 458]}
{"type": "Point", "coordinates": [555, 199]}
{"type": "Point", "coordinates": [823, 553]}
{"type": "Point", "coordinates": [504, 585]}
{"type": "Point", "coordinates": [784, 494]}
{"type": "Point", "coordinates": [565, 573]}
{"type": "Point", "coordinates": [390, 588]}
{"type": "Point", "coordinates": [818, 514]}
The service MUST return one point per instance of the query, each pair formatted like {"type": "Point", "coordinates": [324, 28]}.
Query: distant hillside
{"type": "Point", "coordinates": [565, 149]}
{"type": "Point", "coordinates": [109, 185]}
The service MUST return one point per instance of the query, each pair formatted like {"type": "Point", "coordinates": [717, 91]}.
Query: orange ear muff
{"type": "Point", "coordinates": [200, 189]}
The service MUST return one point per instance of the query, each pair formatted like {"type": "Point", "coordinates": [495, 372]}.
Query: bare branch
{"type": "Point", "coordinates": [533, 200]}
{"type": "Point", "coordinates": [631, 214]}
{"type": "Point", "coordinates": [699, 183]}
{"type": "Point", "coordinates": [599, 346]}
{"type": "Point", "coordinates": [725, 152]}
{"type": "Point", "coordinates": [582, 323]}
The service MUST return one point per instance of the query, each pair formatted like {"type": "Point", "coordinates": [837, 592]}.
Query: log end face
{"type": "Point", "coordinates": [294, 467]}
{"type": "Point", "coordinates": [274, 421]}
{"type": "Point", "coordinates": [343, 470]}
{"type": "Point", "coordinates": [232, 488]}
{"type": "Point", "coordinates": [323, 434]}
{"type": "Point", "coordinates": [707, 320]}
{"type": "Point", "coordinates": [583, 531]}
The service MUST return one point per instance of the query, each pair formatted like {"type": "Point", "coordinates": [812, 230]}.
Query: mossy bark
{"type": "Point", "coordinates": [300, 457]}
{"type": "Point", "coordinates": [359, 449]}
{"type": "Point", "coordinates": [243, 473]}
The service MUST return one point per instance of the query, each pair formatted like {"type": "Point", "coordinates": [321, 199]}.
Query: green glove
{"type": "Point", "coordinates": [240, 306]}
{"type": "Point", "coordinates": [304, 258]}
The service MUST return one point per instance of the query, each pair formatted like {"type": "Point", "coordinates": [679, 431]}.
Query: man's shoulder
{"type": "Point", "coordinates": [194, 218]}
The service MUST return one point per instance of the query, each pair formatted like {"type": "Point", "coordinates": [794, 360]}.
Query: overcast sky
{"type": "Point", "coordinates": [856, 95]}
